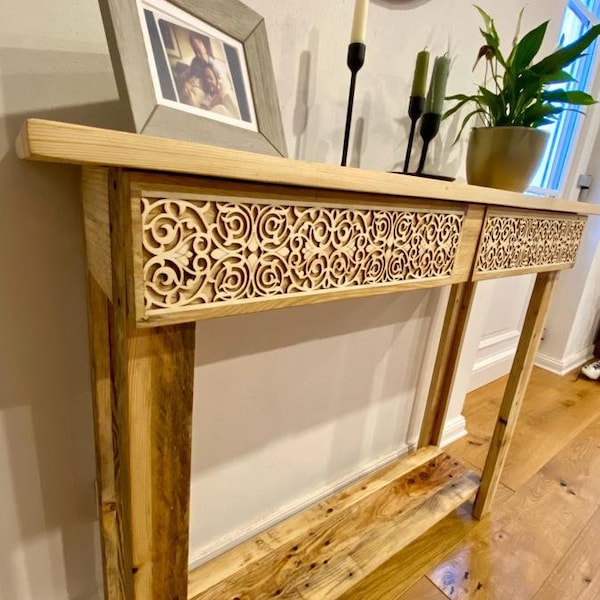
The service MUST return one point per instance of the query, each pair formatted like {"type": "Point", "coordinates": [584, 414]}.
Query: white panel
{"type": "Point", "coordinates": [506, 307]}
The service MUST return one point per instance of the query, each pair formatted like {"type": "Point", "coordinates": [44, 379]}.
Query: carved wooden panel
{"type": "Point", "coordinates": [520, 242]}
{"type": "Point", "coordinates": [220, 251]}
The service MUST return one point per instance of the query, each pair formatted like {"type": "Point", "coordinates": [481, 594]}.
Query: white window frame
{"type": "Point", "coordinates": [586, 128]}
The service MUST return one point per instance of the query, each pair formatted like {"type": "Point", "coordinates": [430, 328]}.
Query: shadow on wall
{"type": "Point", "coordinates": [49, 532]}
{"type": "Point", "coordinates": [305, 95]}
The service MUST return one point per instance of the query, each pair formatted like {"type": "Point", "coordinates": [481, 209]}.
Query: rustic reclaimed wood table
{"type": "Point", "coordinates": [177, 232]}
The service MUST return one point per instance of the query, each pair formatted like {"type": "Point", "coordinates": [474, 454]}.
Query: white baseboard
{"type": "Point", "coordinates": [227, 542]}
{"type": "Point", "coordinates": [454, 430]}
{"type": "Point", "coordinates": [564, 365]}
{"type": "Point", "coordinates": [496, 340]}
{"type": "Point", "coordinates": [491, 368]}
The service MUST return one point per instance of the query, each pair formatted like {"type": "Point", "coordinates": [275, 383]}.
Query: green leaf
{"type": "Point", "coordinates": [464, 124]}
{"type": "Point", "coordinates": [489, 22]}
{"type": "Point", "coordinates": [528, 47]}
{"type": "Point", "coordinates": [490, 40]}
{"type": "Point", "coordinates": [568, 97]}
{"type": "Point", "coordinates": [558, 77]}
{"type": "Point", "coordinates": [518, 29]}
{"type": "Point", "coordinates": [528, 86]}
{"type": "Point", "coordinates": [491, 35]}
{"type": "Point", "coordinates": [462, 101]}
{"type": "Point", "coordinates": [565, 56]}
{"type": "Point", "coordinates": [546, 121]}
{"type": "Point", "coordinates": [523, 93]}
{"type": "Point", "coordinates": [460, 97]}
{"type": "Point", "coordinates": [538, 112]}
{"type": "Point", "coordinates": [495, 103]}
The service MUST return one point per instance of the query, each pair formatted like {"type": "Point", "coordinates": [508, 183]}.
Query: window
{"type": "Point", "coordinates": [579, 16]}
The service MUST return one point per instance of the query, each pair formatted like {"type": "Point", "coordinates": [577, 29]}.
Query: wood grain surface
{"type": "Point", "coordinates": [456, 319]}
{"type": "Point", "coordinates": [143, 384]}
{"type": "Point", "coordinates": [346, 541]}
{"type": "Point", "coordinates": [422, 590]}
{"type": "Point", "coordinates": [94, 183]}
{"type": "Point", "coordinates": [398, 574]}
{"type": "Point", "coordinates": [115, 550]}
{"type": "Point", "coordinates": [566, 408]}
{"type": "Point", "coordinates": [257, 250]}
{"type": "Point", "coordinates": [577, 575]}
{"type": "Point", "coordinates": [143, 380]}
{"type": "Point", "coordinates": [516, 548]}
{"type": "Point", "coordinates": [257, 549]}
{"type": "Point", "coordinates": [263, 86]}
{"type": "Point", "coordinates": [160, 392]}
{"type": "Point", "coordinates": [77, 144]}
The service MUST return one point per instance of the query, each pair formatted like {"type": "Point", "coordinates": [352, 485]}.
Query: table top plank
{"type": "Point", "coordinates": [77, 144]}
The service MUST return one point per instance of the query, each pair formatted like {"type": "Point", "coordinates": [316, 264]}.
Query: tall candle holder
{"type": "Point", "coordinates": [416, 106]}
{"type": "Point", "coordinates": [355, 61]}
{"type": "Point", "coordinates": [430, 126]}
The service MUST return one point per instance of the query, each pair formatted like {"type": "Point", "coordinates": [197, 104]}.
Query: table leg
{"type": "Point", "coordinates": [143, 386]}
{"type": "Point", "coordinates": [446, 362]}
{"type": "Point", "coordinates": [117, 585]}
{"type": "Point", "coordinates": [515, 389]}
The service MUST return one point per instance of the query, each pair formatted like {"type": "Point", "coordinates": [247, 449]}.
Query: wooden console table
{"type": "Point", "coordinates": [177, 232]}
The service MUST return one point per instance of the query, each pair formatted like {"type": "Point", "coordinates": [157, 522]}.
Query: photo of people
{"type": "Point", "coordinates": [197, 67]}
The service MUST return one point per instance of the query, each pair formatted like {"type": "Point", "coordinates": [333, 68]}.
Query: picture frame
{"type": "Point", "coordinates": [196, 70]}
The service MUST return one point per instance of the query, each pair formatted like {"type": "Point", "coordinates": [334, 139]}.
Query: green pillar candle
{"type": "Point", "coordinates": [420, 77]}
{"type": "Point", "coordinates": [437, 89]}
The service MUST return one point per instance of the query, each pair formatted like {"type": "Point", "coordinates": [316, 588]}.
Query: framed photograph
{"type": "Point", "coordinates": [198, 70]}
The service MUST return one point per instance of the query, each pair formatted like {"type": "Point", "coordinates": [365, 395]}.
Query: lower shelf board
{"type": "Point", "coordinates": [326, 549]}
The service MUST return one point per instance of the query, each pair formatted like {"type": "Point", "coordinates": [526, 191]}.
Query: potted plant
{"type": "Point", "coordinates": [518, 96]}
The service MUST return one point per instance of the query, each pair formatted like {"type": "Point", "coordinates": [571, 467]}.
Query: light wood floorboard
{"type": "Point", "coordinates": [540, 541]}
{"type": "Point", "coordinates": [423, 590]}
{"type": "Point", "coordinates": [511, 553]}
{"type": "Point", "coordinates": [555, 411]}
{"type": "Point", "coordinates": [577, 576]}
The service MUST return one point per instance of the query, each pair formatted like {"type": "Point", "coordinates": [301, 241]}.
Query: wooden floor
{"type": "Point", "coordinates": [541, 540]}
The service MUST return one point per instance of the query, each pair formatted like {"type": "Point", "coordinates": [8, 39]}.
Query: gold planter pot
{"type": "Point", "coordinates": [504, 157]}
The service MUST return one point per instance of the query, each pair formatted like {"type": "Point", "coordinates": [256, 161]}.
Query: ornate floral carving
{"type": "Point", "coordinates": [518, 242]}
{"type": "Point", "coordinates": [202, 252]}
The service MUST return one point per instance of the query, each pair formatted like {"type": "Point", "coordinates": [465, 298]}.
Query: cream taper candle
{"type": "Point", "coordinates": [359, 24]}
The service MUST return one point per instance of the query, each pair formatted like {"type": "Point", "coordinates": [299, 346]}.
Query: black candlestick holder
{"type": "Point", "coordinates": [430, 125]}
{"type": "Point", "coordinates": [416, 106]}
{"type": "Point", "coordinates": [355, 61]}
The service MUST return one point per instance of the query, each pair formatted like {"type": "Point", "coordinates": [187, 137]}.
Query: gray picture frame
{"type": "Point", "coordinates": [135, 84]}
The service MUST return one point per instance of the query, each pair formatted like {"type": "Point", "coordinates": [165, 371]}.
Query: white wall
{"type": "Point", "coordinates": [53, 62]}
{"type": "Point", "coordinates": [574, 318]}
{"type": "Point", "coordinates": [315, 411]}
